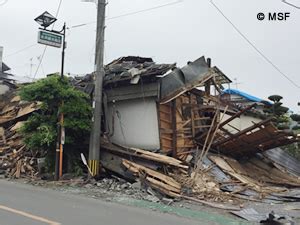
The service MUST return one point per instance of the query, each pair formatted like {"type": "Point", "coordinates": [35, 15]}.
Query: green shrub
{"type": "Point", "coordinates": [40, 130]}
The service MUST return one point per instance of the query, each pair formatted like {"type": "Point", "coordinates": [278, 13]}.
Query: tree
{"type": "Point", "coordinates": [296, 118]}
{"type": "Point", "coordinates": [293, 149]}
{"type": "Point", "coordinates": [40, 130]}
{"type": "Point", "coordinates": [278, 111]}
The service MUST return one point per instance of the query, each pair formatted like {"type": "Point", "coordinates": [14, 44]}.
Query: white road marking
{"type": "Point", "coordinates": [30, 216]}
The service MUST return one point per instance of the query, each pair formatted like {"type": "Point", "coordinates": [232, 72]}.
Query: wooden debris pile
{"type": "Point", "coordinates": [167, 175]}
{"type": "Point", "coordinates": [149, 167]}
{"type": "Point", "coordinates": [156, 180]}
{"type": "Point", "coordinates": [15, 159]}
{"type": "Point", "coordinates": [220, 181]}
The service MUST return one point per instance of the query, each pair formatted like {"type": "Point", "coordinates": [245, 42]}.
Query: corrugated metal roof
{"type": "Point", "coordinates": [283, 159]}
{"type": "Point", "coordinates": [193, 75]}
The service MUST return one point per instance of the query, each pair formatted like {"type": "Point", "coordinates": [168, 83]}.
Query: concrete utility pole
{"type": "Point", "coordinates": [94, 148]}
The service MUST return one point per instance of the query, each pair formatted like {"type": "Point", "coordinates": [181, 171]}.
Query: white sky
{"type": "Point", "coordinates": [177, 33]}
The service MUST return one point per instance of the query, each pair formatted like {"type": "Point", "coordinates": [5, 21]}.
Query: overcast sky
{"type": "Point", "coordinates": [177, 33]}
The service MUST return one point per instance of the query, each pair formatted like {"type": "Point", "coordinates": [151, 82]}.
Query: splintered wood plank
{"type": "Point", "coordinates": [136, 168]}
{"type": "Point", "coordinates": [163, 185]}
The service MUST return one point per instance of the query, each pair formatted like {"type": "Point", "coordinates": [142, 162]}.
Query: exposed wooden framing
{"type": "Point", "coordinates": [237, 115]}
{"type": "Point", "coordinates": [174, 127]}
{"type": "Point", "coordinates": [233, 127]}
{"type": "Point", "coordinates": [216, 86]}
{"type": "Point", "coordinates": [164, 120]}
{"type": "Point", "coordinates": [201, 126]}
{"type": "Point", "coordinates": [234, 143]}
{"type": "Point", "coordinates": [207, 87]}
{"type": "Point", "coordinates": [243, 131]}
{"type": "Point", "coordinates": [192, 118]}
{"type": "Point", "coordinates": [229, 120]}
{"type": "Point", "coordinates": [143, 154]}
{"type": "Point", "coordinates": [165, 127]}
{"type": "Point", "coordinates": [264, 141]}
{"type": "Point", "coordinates": [198, 107]}
{"type": "Point", "coordinates": [136, 168]}
{"type": "Point", "coordinates": [201, 118]}
{"type": "Point", "coordinates": [205, 151]}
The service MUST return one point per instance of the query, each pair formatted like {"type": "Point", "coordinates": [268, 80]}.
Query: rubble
{"type": "Point", "coordinates": [15, 158]}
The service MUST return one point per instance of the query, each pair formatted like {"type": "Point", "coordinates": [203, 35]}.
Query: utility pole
{"type": "Point", "coordinates": [94, 148]}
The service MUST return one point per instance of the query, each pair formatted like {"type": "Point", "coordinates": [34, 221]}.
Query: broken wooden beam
{"type": "Point", "coordinates": [156, 180]}
{"type": "Point", "coordinates": [143, 154]}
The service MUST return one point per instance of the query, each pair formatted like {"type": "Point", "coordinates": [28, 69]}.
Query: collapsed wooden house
{"type": "Point", "coordinates": [158, 107]}
{"type": "Point", "coordinates": [174, 111]}
{"type": "Point", "coordinates": [181, 113]}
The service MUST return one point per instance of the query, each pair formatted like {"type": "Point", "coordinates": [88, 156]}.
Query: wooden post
{"type": "Point", "coordinates": [174, 128]}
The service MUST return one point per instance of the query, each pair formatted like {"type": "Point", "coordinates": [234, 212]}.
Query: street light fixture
{"type": "Point", "coordinates": [45, 20]}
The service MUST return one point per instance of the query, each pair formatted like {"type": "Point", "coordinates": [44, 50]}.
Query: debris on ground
{"type": "Point", "coordinates": [15, 159]}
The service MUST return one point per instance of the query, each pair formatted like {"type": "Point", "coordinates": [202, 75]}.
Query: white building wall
{"type": "Point", "coordinates": [240, 123]}
{"type": "Point", "coordinates": [136, 123]}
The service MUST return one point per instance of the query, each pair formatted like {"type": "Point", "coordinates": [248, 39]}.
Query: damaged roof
{"type": "Point", "coordinates": [4, 68]}
{"type": "Point", "coordinates": [193, 75]}
{"type": "Point", "coordinates": [171, 81]}
{"type": "Point", "coordinates": [128, 70]}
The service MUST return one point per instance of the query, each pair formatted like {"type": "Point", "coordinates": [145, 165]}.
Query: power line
{"type": "Point", "coordinates": [145, 10]}
{"type": "Point", "coordinates": [254, 47]}
{"type": "Point", "coordinates": [288, 3]}
{"type": "Point", "coordinates": [40, 62]}
{"type": "Point", "coordinates": [130, 13]}
{"type": "Point", "coordinates": [93, 22]}
{"type": "Point", "coordinates": [58, 9]}
{"type": "Point", "coordinates": [21, 50]}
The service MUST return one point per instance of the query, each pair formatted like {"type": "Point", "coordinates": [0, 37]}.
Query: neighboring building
{"type": "Point", "coordinates": [6, 79]}
{"type": "Point", "coordinates": [242, 100]}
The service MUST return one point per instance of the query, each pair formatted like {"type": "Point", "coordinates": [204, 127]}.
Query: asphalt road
{"type": "Point", "coordinates": [27, 205]}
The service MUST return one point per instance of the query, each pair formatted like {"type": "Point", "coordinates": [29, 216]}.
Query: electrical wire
{"type": "Point", "coordinates": [145, 10]}
{"type": "Point", "coordinates": [40, 62]}
{"type": "Point", "coordinates": [254, 47]}
{"type": "Point", "coordinates": [129, 14]}
{"type": "Point", "coordinates": [290, 4]}
{"type": "Point", "coordinates": [58, 9]}
{"type": "Point", "coordinates": [21, 50]}
{"type": "Point", "coordinates": [93, 22]}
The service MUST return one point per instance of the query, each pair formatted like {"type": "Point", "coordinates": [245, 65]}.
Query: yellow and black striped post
{"type": "Point", "coordinates": [95, 167]}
